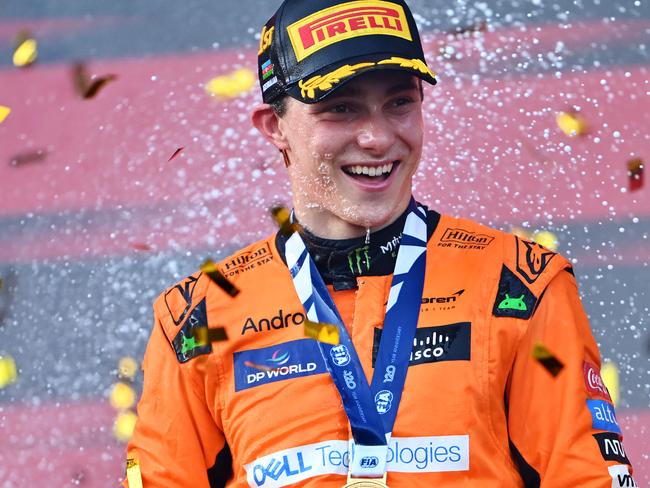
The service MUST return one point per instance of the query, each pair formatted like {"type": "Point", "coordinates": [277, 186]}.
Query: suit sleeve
{"type": "Point", "coordinates": [551, 428]}
{"type": "Point", "coordinates": [177, 441]}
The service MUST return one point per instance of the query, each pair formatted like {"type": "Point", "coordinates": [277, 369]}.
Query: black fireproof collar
{"type": "Point", "coordinates": [341, 261]}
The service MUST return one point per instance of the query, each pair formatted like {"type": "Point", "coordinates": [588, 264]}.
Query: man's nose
{"type": "Point", "coordinates": [376, 135]}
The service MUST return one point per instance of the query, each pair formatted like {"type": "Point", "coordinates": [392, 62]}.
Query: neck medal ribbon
{"type": "Point", "coordinates": [371, 409]}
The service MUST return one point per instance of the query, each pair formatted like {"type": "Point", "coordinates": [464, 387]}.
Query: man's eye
{"type": "Point", "coordinates": [340, 108]}
{"type": "Point", "coordinates": [402, 101]}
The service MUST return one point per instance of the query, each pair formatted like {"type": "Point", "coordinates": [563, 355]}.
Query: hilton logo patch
{"type": "Point", "coordinates": [245, 261]}
{"type": "Point", "coordinates": [345, 21]}
{"type": "Point", "coordinates": [464, 239]}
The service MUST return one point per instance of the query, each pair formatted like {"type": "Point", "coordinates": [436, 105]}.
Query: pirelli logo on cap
{"type": "Point", "coordinates": [345, 21]}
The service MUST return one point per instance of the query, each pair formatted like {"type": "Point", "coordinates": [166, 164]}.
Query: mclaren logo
{"type": "Point", "coordinates": [345, 21]}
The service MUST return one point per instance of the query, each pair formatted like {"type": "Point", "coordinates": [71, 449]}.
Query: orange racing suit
{"type": "Point", "coordinates": [478, 409]}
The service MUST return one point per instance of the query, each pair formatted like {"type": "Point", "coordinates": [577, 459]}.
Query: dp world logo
{"type": "Point", "coordinates": [279, 358]}
{"type": "Point", "coordinates": [340, 355]}
{"type": "Point", "coordinates": [383, 401]}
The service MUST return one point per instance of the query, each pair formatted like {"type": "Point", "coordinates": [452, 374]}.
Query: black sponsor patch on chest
{"type": "Point", "coordinates": [435, 344]}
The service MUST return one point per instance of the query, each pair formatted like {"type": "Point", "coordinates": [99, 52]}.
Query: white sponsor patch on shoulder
{"type": "Point", "coordinates": [621, 477]}
{"type": "Point", "coordinates": [405, 454]}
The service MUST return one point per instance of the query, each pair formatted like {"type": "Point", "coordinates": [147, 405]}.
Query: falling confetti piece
{"type": "Point", "coordinates": [124, 425]}
{"type": "Point", "coordinates": [4, 113]}
{"type": "Point", "coordinates": [133, 474]}
{"type": "Point", "coordinates": [122, 396]}
{"type": "Point", "coordinates": [1, 283]}
{"type": "Point", "coordinates": [205, 335]}
{"type": "Point", "coordinates": [572, 123]}
{"type": "Point", "coordinates": [176, 153]}
{"type": "Point", "coordinates": [26, 51]}
{"type": "Point", "coordinates": [127, 368]}
{"type": "Point", "coordinates": [88, 87]}
{"type": "Point", "coordinates": [28, 157]}
{"type": "Point", "coordinates": [546, 239]}
{"type": "Point", "coordinates": [261, 367]}
{"type": "Point", "coordinates": [635, 173]}
{"type": "Point", "coordinates": [210, 269]}
{"type": "Point", "coordinates": [8, 371]}
{"type": "Point", "coordinates": [282, 217]}
{"type": "Point", "coordinates": [480, 26]}
{"type": "Point", "coordinates": [322, 332]}
{"type": "Point", "coordinates": [546, 358]}
{"type": "Point", "coordinates": [609, 374]}
{"type": "Point", "coordinates": [232, 85]}
{"type": "Point", "coordinates": [141, 246]}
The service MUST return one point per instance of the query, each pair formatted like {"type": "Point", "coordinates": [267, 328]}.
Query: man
{"type": "Point", "coordinates": [463, 357]}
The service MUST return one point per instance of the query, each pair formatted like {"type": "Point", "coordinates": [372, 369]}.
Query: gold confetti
{"type": "Point", "coordinates": [635, 172]}
{"type": "Point", "coordinates": [4, 113]}
{"type": "Point", "coordinates": [546, 358]}
{"type": "Point", "coordinates": [572, 123]}
{"type": "Point", "coordinates": [89, 87]}
{"type": "Point", "coordinates": [124, 425]}
{"type": "Point", "coordinates": [546, 239]}
{"type": "Point", "coordinates": [206, 335]}
{"type": "Point", "coordinates": [210, 268]}
{"type": "Point", "coordinates": [232, 85]}
{"type": "Point", "coordinates": [122, 396]}
{"type": "Point", "coordinates": [133, 474]}
{"type": "Point", "coordinates": [176, 153]}
{"type": "Point", "coordinates": [8, 371]}
{"type": "Point", "coordinates": [609, 374]}
{"type": "Point", "coordinates": [28, 157]}
{"type": "Point", "coordinates": [282, 217]}
{"type": "Point", "coordinates": [322, 332]}
{"type": "Point", "coordinates": [127, 368]}
{"type": "Point", "coordinates": [26, 51]}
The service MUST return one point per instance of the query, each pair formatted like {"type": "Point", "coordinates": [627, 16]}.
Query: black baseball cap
{"type": "Point", "coordinates": [309, 48]}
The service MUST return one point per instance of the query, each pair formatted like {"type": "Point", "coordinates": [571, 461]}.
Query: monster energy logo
{"type": "Point", "coordinates": [356, 258]}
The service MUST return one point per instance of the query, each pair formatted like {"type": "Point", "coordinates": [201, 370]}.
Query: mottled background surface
{"type": "Point", "coordinates": [92, 231]}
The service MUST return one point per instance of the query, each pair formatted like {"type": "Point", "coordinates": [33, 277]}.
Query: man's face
{"type": "Point", "coordinates": [354, 154]}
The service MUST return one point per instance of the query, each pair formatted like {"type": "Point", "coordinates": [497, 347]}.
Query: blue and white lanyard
{"type": "Point", "coordinates": [371, 409]}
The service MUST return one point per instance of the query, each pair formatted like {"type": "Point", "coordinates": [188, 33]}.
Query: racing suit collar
{"type": "Point", "coordinates": [341, 261]}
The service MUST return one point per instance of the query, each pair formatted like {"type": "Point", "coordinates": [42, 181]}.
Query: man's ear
{"type": "Point", "coordinates": [266, 121]}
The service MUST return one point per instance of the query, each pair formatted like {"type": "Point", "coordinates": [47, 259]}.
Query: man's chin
{"type": "Point", "coordinates": [374, 215]}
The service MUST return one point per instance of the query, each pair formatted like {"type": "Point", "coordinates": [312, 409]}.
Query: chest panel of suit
{"type": "Point", "coordinates": [439, 389]}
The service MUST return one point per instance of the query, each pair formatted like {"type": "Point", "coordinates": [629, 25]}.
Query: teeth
{"type": "Point", "coordinates": [370, 170]}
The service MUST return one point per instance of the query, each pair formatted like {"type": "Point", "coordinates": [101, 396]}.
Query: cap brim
{"type": "Point", "coordinates": [317, 85]}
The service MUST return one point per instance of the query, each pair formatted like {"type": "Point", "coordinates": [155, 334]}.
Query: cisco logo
{"type": "Point", "coordinates": [340, 355]}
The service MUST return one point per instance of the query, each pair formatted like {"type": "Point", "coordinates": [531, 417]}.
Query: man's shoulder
{"type": "Point", "coordinates": [516, 267]}
{"type": "Point", "coordinates": [186, 300]}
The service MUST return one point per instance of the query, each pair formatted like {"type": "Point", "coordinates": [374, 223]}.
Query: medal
{"type": "Point", "coordinates": [366, 482]}
{"type": "Point", "coordinates": [371, 408]}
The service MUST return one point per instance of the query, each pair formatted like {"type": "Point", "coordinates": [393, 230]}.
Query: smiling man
{"type": "Point", "coordinates": [464, 356]}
